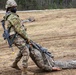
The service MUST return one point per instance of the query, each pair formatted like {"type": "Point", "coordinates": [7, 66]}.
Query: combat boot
{"type": "Point", "coordinates": [26, 72]}
{"type": "Point", "coordinates": [14, 65]}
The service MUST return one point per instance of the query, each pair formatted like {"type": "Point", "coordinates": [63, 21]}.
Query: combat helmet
{"type": "Point", "coordinates": [10, 3]}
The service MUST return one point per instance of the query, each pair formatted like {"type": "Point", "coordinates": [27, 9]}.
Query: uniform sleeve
{"type": "Point", "coordinates": [16, 23]}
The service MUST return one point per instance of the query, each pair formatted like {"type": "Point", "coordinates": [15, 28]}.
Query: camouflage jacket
{"type": "Point", "coordinates": [13, 22]}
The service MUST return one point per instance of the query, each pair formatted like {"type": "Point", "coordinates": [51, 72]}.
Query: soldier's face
{"type": "Point", "coordinates": [14, 9]}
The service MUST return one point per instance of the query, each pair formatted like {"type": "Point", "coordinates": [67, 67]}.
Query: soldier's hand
{"type": "Point", "coordinates": [28, 41]}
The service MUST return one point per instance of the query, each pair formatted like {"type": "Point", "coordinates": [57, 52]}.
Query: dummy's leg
{"type": "Point", "coordinates": [66, 64]}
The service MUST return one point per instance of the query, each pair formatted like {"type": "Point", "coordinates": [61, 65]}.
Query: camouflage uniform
{"type": "Point", "coordinates": [40, 59]}
{"type": "Point", "coordinates": [13, 22]}
{"type": "Point", "coordinates": [71, 64]}
{"type": "Point", "coordinates": [48, 63]}
{"type": "Point", "coordinates": [14, 26]}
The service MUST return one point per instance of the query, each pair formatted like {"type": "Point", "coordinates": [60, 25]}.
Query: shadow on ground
{"type": "Point", "coordinates": [36, 71]}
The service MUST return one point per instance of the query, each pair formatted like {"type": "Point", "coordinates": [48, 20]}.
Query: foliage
{"type": "Point", "coordinates": [41, 4]}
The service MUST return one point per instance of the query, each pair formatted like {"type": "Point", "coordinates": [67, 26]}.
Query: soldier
{"type": "Point", "coordinates": [46, 63]}
{"type": "Point", "coordinates": [14, 26]}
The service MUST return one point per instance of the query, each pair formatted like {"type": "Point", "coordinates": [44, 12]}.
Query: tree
{"type": "Point", "coordinates": [74, 3]}
{"type": "Point", "coordinates": [41, 4]}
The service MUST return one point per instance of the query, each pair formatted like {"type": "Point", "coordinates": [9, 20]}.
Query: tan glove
{"type": "Point", "coordinates": [28, 41]}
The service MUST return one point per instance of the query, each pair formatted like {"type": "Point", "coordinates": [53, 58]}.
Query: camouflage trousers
{"type": "Point", "coordinates": [41, 60]}
{"type": "Point", "coordinates": [23, 51]}
{"type": "Point", "coordinates": [70, 64]}
{"type": "Point", "coordinates": [44, 62]}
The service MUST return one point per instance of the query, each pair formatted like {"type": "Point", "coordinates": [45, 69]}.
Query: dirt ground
{"type": "Point", "coordinates": [53, 29]}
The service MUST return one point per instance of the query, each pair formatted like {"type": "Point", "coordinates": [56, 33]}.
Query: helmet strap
{"type": "Point", "coordinates": [12, 9]}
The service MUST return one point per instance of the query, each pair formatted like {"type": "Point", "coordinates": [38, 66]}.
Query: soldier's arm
{"type": "Point", "coordinates": [16, 23]}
